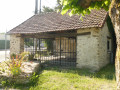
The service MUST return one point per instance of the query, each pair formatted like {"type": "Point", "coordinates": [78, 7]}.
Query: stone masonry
{"type": "Point", "coordinates": [103, 53]}
{"type": "Point", "coordinates": [16, 44]}
{"type": "Point", "coordinates": [92, 48]}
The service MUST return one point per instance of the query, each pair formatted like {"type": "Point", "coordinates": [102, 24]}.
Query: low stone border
{"type": "Point", "coordinates": [27, 68]}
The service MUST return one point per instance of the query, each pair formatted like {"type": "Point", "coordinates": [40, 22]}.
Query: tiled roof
{"type": "Point", "coordinates": [53, 21]}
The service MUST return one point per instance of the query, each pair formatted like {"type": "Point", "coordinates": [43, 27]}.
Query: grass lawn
{"type": "Point", "coordinates": [56, 78]}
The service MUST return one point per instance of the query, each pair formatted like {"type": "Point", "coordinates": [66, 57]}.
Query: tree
{"type": "Point", "coordinates": [47, 9]}
{"type": "Point", "coordinates": [85, 6]}
{"type": "Point", "coordinates": [48, 42]}
{"type": "Point", "coordinates": [58, 6]}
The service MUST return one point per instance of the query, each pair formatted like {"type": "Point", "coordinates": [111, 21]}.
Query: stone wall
{"type": "Point", "coordinates": [87, 48]}
{"type": "Point", "coordinates": [91, 47]}
{"type": "Point", "coordinates": [92, 50]}
{"type": "Point", "coordinates": [103, 52]}
{"type": "Point", "coordinates": [16, 44]}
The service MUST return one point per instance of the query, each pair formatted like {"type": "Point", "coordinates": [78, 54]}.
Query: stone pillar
{"type": "Point", "coordinates": [16, 44]}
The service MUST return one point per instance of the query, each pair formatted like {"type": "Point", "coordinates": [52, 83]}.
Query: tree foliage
{"type": "Point", "coordinates": [48, 42]}
{"type": "Point", "coordinates": [58, 6]}
{"type": "Point", "coordinates": [83, 6]}
{"type": "Point", "coordinates": [28, 42]}
{"type": "Point", "coordinates": [47, 9]}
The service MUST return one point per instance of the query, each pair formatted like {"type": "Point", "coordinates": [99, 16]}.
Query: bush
{"type": "Point", "coordinates": [4, 83]}
{"type": "Point", "coordinates": [15, 63]}
{"type": "Point", "coordinates": [34, 78]}
{"type": "Point", "coordinates": [13, 55]}
{"type": "Point", "coordinates": [31, 56]}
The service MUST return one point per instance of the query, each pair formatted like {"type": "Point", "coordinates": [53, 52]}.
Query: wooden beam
{"type": "Point", "coordinates": [46, 35]}
{"type": "Point", "coordinates": [85, 33]}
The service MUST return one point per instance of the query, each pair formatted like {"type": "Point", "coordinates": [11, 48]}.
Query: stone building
{"type": "Point", "coordinates": [88, 42]}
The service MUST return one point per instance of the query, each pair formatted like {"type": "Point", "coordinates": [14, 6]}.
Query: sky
{"type": "Point", "coordinates": [14, 12]}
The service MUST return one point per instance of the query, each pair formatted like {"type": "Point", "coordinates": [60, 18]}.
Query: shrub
{"type": "Point", "coordinates": [31, 56]}
{"type": "Point", "coordinates": [15, 63]}
{"type": "Point", "coordinates": [4, 83]}
{"type": "Point", "coordinates": [13, 55]}
{"type": "Point", "coordinates": [3, 70]}
{"type": "Point", "coordinates": [34, 78]}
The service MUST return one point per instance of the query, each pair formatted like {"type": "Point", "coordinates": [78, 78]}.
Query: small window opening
{"type": "Point", "coordinates": [108, 44]}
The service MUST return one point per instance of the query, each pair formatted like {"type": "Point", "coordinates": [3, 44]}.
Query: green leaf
{"type": "Point", "coordinates": [58, 10]}
{"type": "Point", "coordinates": [65, 9]}
{"type": "Point", "coordinates": [106, 2]}
{"type": "Point", "coordinates": [61, 2]}
{"type": "Point", "coordinates": [65, 2]}
{"type": "Point", "coordinates": [88, 11]}
{"type": "Point", "coordinates": [106, 8]}
{"type": "Point", "coordinates": [71, 13]}
{"type": "Point", "coordinates": [81, 18]}
{"type": "Point", "coordinates": [84, 11]}
{"type": "Point", "coordinates": [83, 14]}
{"type": "Point", "coordinates": [92, 5]}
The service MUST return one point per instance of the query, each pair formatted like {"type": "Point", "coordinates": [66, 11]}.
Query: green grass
{"type": "Point", "coordinates": [57, 78]}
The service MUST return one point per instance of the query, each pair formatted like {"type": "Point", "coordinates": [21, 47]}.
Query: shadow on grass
{"type": "Point", "coordinates": [107, 72]}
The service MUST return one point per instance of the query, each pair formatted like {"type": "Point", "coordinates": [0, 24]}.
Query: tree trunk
{"type": "Point", "coordinates": [114, 13]}
{"type": "Point", "coordinates": [117, 66]}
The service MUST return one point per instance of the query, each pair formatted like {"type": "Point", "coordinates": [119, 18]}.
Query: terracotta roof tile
{"type": "Point", "coordinates": [56, 22]}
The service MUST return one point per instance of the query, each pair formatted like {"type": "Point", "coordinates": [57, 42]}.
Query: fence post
{"type": "Point", "coordinates": [60, 49]}
{"type": "Point", "coordinates": [5, 45]}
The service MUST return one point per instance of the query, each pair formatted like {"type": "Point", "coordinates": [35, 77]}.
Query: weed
{"type": "Point", "coordinates": [31, 56]}
{"type": "Point", "coordinates": [4, 83]}
{"type": "Point", "coordinates": [15, 63]}
{"type": "Point", "coordinates": [33, 78]}
{"type": "Point", "coordinates": [3, 70]}
{"type": "Point", "coordinates": [57, 78]}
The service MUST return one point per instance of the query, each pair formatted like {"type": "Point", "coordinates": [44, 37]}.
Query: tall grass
{"type": "Point", "coordinates": [59, 78]}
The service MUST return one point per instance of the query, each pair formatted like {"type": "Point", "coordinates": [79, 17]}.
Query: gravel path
{"type": "Point", "coordinates": [2, 55]}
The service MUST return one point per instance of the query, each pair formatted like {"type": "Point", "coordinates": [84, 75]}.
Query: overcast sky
{"type": "Point", "coordinates": [14, 12]}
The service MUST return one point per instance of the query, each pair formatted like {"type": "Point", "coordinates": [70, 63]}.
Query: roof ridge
{"type": "Point", "coordinates": [20, 24]}
{"type": "Point", "coordinates": [43, 13]}
{"type": "Point", "coordinates": [53, 21]}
